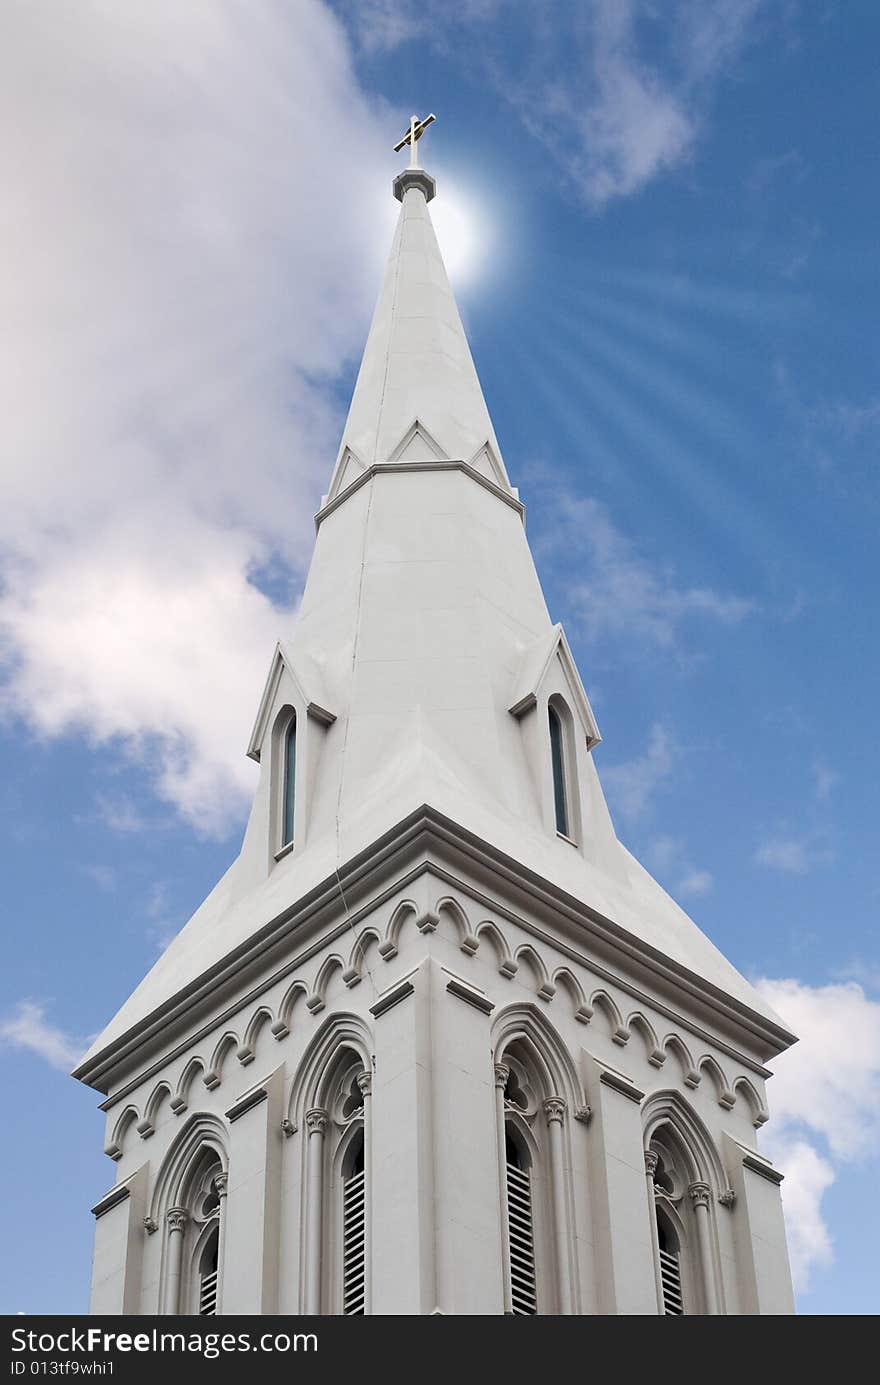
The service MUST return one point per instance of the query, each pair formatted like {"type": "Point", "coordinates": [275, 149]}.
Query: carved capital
{"type": "Point", "coordinates": [151, 1226]}
{"type": "Point", "coordinates": [221, 1182]}
{"type": "Point", "coordinates": [727, 1198]}
{"type": "Point", "coordinates": [554, 1109]}
{"type": "Point", "coordinates": [583, 1114]}
{"type": "Point", "coordinates": [652, 1159]}
{"type": "Point", "coordinates": [365, 1082]}
{"type": "Point", "coordinates": [316, 1121]}
{"type": "Point", "coordinates": [699, 1194]}
{"type": "Point", "coordinates": [502, 1073]}
{"type": "Point", "coordinates": [177, 1218]}
{"type": "Point", "coordinates": [287, 1128]}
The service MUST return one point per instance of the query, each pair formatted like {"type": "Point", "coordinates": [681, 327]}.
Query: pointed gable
{"type": "Point", "coordinates": [307, 681]}
{"type": "Point", "coordinates": [532, 676]}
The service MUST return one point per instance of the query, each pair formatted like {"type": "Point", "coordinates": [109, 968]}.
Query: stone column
{"type": "Point", "coordinates": [502, 1073]}
{"type": "Point", "coordinates": [554, 1110]}
{"type": "Point", "coordinates": [316, 1125]}
{"type": "Point", "coordinates": [365, 1084]}
{"type": "Point", "coordinates": [651, 1161]}
{"type": "Point", "coordinates": [699, 1194]}
{"type": "Point", "coordinates": [221, 1183]}
{"type": "Point", "coordinates": [176, 1218]}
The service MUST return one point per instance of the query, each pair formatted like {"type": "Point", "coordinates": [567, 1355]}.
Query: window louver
{"type": "Point", "coordinates": [523, 1295]}
{"type": "Point", "coordinates": [208, 1295]}
{"type": "Point", "coordinates": [353, 1257]}
{"type": "Point", "coordinates": [670, 1278]}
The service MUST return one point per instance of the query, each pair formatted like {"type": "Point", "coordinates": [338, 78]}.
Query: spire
{"type": "Point", "coordinates": [417, 396]}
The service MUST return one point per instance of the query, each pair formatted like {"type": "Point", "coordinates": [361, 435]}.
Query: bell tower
{"type": "Point", "coordinates": [436, 1042]}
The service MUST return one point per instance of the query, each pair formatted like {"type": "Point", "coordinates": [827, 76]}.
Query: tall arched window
{"type": "Point", "coordinates": [557, 762]}
{"type": "Point", "coordinates": [194, 1238]}
{"type": "Point", "coordinates": [289, 783]}
{"type": "Point", "coordinates": [535, 1229]}
{"type": "Point", "coordinates": [337, 1164]}
{"type": "Point", "coordinates": [683, 1231]}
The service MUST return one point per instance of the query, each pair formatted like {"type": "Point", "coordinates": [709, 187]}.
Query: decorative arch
{"type": "Point", "coordinates": [565, 977]}
{"type": "Point", "coordinates": [669, 1108]}
{"type": "Point", "coordinates": [640, 1023]}
{"type": "Point", "coordinates": [357, 962]}
{"type": "Point", "coordinates": [318, 998]}
{"type": "Point", "coordinates": [200, 1131]}
{"type": "Point", "coordinates": [526, 1022]}
{"type": "Point", "coordinates": [281, 1027]}
{"type": "Point", "coordinates": [601, 1000]}
{"type": "Point", "coordinates": [147, 1126]}
{"type": "Point", "coordinates": [674, 1043]}
{"type": "Point", "coordinates": [760, 1114]}
{"type": "Point", "coordinates": [342, 1029]}
{"type": "Point", "coordinates": [533, 960]}
{"type": "Point", "coordinates": [453, 910]}
{"type": "Point", "coordinates": [180, 1100]}
{"type": "Point", "coordinates": [115, 1146]}
{"type": "Point", "coordinates": [228, 1043]}
{"type": "Point", "coordinates": [404, 911]}
{"type": "Point", "coordinates": [726, 1097]}
{"type": "Point", "coordinates": [261, 1017]}
{"type": "Point", "coordinates": [507, 964]}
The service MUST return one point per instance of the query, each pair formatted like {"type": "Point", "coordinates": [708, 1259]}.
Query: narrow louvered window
{"type": "Point", "coordinates": [208, 1277]}
{"type": "Point", "coordinates": [353, 1239]}
{"type": "Point", "coordinates": [670, 1271]}
{"type": "Point", "coordinates": [521, 1232]}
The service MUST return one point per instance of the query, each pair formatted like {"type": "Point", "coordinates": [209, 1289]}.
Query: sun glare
{"type": "Point", "coordinates": [463, 233]}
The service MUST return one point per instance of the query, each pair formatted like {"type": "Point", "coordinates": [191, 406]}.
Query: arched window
{"type": "Point", "coordinates": [557, 762]}
{"type": "Point", "coordinates": [194, 1227]}
{"type": "Point", "coordinates": [535, 1233]}
{"type": "Point", "coordinates": [337, 1244]}
{"type": "Point", "coordinates": [683, 1231]}
{"type": "Point", "coordinates": [289, 782]}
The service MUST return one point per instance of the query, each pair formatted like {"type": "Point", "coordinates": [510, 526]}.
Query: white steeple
{"type": "Point", "coordinates": [422, 649]}
{"type": "Point", "coordinates": [436, 1042]}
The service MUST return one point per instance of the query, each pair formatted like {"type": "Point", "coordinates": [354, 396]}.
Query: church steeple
{"type": "Point", "coordinates": [417, 395]}
{"type": "Point", "coordinates": [436, 1043]}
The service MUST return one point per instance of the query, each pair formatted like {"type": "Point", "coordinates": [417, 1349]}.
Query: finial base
{"type": "Point", "coordinates": [414, 178]}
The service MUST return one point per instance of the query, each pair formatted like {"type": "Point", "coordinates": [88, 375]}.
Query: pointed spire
{"type": "Point", "coordinates": [417, 395]}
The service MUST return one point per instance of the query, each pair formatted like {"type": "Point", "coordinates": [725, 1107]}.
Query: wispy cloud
{"type": "Point", "coordinates": [617, 590]}
{"type": "Point", "coordinates": [632, 784]}
{"type": "Point", "coordinates": [826, 1089]}
{"type": "Point", "coordinates": [669, 856]}
{"type": "Point", "coordinates": [825, 780]}
{"type": "Point", "coordinates": [27, 1027]}
{"type": "Point", "coordinates": [792, 854]}
{"type": "Point", "coordinates": [695, 883]}
{"type": "Point", "coordinates": [614, 113]}
{"type": "Point", "coordinates": [104, 877]}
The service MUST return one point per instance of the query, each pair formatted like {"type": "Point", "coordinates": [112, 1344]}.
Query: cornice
{"type": "Point", "coordinates": [413, 836]}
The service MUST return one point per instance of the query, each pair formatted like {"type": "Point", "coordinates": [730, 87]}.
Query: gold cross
{"type": "Point", "coordinates": [416, 129]}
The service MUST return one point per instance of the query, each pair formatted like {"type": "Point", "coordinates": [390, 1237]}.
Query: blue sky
{"type": "Point", "coordinates": [661, 222]}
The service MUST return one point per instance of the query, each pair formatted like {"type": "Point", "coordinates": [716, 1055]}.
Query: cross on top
{"type": "Point", "coordinates": [416, 129]}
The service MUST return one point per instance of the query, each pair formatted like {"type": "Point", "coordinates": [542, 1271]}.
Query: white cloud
{"type": "Point", "coordinates": [826, 1087]}
{"type": "Point", "coordinates": [788, 854]}
{"type": "Point", "coordinates": [186, 289]}
{"type": "Point", "coordinates": [794, 855]}
{"type": "Point", "coordinates": [616, 590]}
{"type": "Point", "coordinates": [695, 882]}
{"type": "Point", "coordinates": [28, 1028]}
{"type": "Point", "coordinates": [610, 105]}
{"type": "Point", "coordinates": [632, 784]}
{"type": "Point", "coordinates": [826, 779]}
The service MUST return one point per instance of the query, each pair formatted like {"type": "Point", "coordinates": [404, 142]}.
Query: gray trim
{"type": "Point", "coordinates": [386, 1002]}
{"type": "Point", "coordinates": [757, 1165]}
{"type": "Point", "coordinates": [470, 996]}
{"type": "Point", "coordinates": [445, 464]}
{"type": "Point", "coordinates": [110, 1200]}
{"type": "Point", "coordinates": [246, 1103]}
{"type": "Point", "coordinates": [618, 1083]}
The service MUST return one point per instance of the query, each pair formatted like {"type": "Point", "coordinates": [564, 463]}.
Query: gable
{"type": "Point", "coordinates": [537, 667]}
